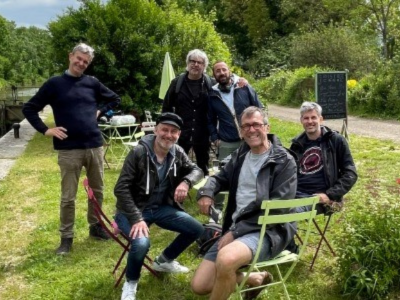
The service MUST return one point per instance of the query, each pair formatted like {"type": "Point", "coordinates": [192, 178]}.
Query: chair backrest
{"type": "Point", "coordinates": [138, 135]}
{"type": "Point", "coordinates": [148, 126]}
{"type": "Point", "coordinates": [271, 217]}
{"type": "Point", "coordinates": [148, 116]}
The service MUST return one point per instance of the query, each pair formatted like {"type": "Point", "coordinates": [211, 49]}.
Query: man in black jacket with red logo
{"type": "Point", "coordinates": [325, 165]}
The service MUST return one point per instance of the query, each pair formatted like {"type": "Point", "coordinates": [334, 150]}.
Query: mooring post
{"type": "Point", "coordinates": [16, 127]}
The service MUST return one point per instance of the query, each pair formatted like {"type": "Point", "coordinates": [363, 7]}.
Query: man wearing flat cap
{"type": "Point", "coordinates": [154, 181]}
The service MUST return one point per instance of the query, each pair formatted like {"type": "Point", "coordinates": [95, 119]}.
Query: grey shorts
{"type": "Point", "coordinates": [251, 241]}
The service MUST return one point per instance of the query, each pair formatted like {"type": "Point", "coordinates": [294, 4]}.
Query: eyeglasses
{"type": "Point", "coordinates": [193, 62]}
{"type": "Point", "coordinates": [256, 126]}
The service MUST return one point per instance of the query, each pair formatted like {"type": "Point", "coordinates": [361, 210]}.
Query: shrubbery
{"type": "Point", "coordinates": [288, 87]}
{"type": "Point", "coordinates": [378, 94]}
{"type": "Point", "coordinates": [369, 256]}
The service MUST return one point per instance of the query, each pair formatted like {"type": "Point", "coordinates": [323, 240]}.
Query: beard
{"type": "Point", "coordinates": [223, 80]}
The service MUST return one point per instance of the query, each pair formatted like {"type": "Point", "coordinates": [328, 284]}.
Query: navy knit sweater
{"type": "Point", "coordinates": [75, 101]}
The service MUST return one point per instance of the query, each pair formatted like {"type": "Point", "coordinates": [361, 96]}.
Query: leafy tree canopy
{"type": "Point", "coordinates": [24, 53]}
{"type": "Point", "coordinates": [130, 38]}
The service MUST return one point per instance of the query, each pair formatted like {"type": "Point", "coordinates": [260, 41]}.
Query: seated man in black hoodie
{"type": "Point", "coordinates": [154, 181]}
{"type": "Point", "coordinates": [325, 165]}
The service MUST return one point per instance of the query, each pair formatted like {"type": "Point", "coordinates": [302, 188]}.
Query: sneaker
{"type": "Point", "coordinates": [98, 232]}
{"type": "Point", "coordinates": [169, 267]}
{"type": "Point", "coordinates": [65, 246]}
{"type": "Point", "coordinates": [129, 291]}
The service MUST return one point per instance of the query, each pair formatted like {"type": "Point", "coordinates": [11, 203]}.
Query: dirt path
{"type": "Point", "coordinates": [386, 130]}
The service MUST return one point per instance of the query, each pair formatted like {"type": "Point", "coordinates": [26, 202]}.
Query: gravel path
{"type": "Point", "coordinates": [385, 130]}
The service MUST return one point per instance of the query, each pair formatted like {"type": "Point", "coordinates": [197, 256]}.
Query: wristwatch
{"type": "Point", "coordinates": [188, 182]}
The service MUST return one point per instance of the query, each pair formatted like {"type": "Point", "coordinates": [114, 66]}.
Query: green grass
{"type": "Point", "coordinates": [29, 218]}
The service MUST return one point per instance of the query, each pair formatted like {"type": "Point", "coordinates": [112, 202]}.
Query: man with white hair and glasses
{"type": "Point", "coordinates": [77, 101]}
{"type": "Point", "coordinates": [187, 96]}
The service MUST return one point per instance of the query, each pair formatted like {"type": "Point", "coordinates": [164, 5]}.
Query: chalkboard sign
{"type": "Point", "coordinates": [331, 93]}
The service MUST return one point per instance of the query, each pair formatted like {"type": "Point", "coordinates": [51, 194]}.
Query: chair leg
{"type": "Point", "coordinates": [104, 156]}
{"type": "Point", "coordinates": [323, 238]}
{"type": "Point", "coordinates": [282, 281]}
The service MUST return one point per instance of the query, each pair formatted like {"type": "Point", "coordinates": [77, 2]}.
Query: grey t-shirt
{"type": "Point", "coordinates": [247, 188]}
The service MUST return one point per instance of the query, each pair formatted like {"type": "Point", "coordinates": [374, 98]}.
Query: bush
{"type": "Point", "coordinates": [130, 38]}
{"type": "Point", "coordinates": [369, 254]}
{"type": "Point", "coordinates": [377, 94]}
{"type": "Point", "coordinates": [300, 87]}
{"type": "Point", "coordinates": [288, 87]}
{"type": "Point", "coordinates": [270, 89]}
{"type": "Point", "coordinates": [337, 48]}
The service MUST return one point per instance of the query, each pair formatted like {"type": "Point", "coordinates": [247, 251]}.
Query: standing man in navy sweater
{"type": "Point", "coordinates": [75, 99]}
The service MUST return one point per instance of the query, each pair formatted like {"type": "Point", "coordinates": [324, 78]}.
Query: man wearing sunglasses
{"type": "Point", "coordinates": [260, 169]}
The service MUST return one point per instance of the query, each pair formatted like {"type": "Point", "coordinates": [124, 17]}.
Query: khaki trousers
{"type": "Point", "coordinates": [71, 163]}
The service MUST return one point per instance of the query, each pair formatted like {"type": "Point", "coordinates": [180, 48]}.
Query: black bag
{"type": "Point", "coordinates": [212, 232]}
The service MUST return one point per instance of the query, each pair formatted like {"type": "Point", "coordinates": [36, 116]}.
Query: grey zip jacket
{"type": "Point", "coordinates": [277, 179]}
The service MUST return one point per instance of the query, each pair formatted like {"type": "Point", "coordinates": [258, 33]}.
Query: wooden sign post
{"type": "Point", "coordinates": [331, 94]}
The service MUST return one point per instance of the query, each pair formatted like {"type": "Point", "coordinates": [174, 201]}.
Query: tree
{"type": "Point", "coordinates": [130, 38]}
{"type": "Point", "coordinates": [333, 47]}
{"type": "Point", "coordinates": [24, 53]}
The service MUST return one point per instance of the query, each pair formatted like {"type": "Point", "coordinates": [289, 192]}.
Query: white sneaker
{"type": "Point", "coordinates": [169, 267]}
{"type": "Point", "coordinates": [129, 291]}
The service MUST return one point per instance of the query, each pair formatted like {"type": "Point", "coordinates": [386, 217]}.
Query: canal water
{"type": "Point", "coordinates": [21, 94]}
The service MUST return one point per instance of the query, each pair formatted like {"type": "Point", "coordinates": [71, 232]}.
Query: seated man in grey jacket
{"type": "Point", "coordinates": [154, 181]}
{"type": "Point", "coordinates": [260, 169]}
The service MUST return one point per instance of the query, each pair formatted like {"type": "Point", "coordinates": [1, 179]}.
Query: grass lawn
{"type": "Point", "coordinates": [29, 218]}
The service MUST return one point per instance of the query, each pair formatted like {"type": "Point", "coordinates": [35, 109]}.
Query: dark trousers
{"type": "Point", "coordinates": [164, 216]}
{"type": "Point", "coordinates": [201, 151]}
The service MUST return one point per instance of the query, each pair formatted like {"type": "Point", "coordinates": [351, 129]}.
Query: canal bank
{"type": "Point", "coordinates": [11, 148]}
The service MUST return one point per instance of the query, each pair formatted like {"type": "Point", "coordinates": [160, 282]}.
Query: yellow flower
{"type": "Point", "coordinates": [351, 83]}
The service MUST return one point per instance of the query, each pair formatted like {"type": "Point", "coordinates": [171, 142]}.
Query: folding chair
{"type": "Point", "coordinates": [321, 232]}
{"type": "Point", "coordinates": [285, 256]}
{"type": "Point", "coordinates": [148, 127]}
{"type": "Point", "coordinates": [112, 230]}
{"type": "Point", "coordinates": [128, 146]}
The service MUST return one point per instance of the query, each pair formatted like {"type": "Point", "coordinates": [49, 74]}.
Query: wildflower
{"type": "Point", "coordinates": [351, 83]}
{"type": "Point", "coordinates": [398, 180]}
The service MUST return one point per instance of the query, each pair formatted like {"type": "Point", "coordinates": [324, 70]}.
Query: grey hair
{"type": "Point", "coordinates": [251, 110]}
{"type": "Point", "coordinates": [307, 106]}
{"type": "Point", "coordinates": [197, 53]}
{"type": "Point", "coordinates": [86, 49]}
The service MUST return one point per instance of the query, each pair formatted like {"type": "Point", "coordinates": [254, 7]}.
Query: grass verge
{"type": "Point", "coordinates": [29, 218]}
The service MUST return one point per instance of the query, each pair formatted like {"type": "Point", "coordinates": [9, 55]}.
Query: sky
{"type": "Point", "coordinates": [34, 12]}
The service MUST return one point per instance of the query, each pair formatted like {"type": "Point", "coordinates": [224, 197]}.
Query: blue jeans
{"type": "Point", "coordinates": [167, 217]}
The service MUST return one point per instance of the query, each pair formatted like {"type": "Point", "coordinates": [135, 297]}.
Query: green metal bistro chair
{"type": "Point", "coordinates": [128, 146]}
{"type": "Point", "coordinates": [285, 256]}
